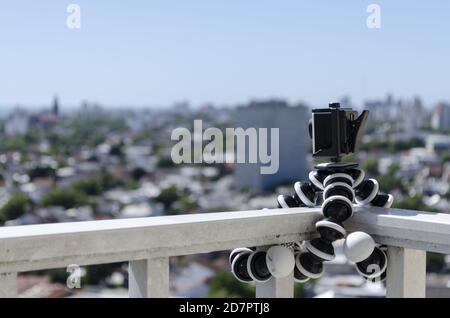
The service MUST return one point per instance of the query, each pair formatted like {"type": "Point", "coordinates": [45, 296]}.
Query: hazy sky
{"type": "Point", "coordinates": [229, 51]}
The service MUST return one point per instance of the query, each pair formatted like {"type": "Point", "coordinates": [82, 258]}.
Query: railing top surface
{"type": "Point", "coordinates": [10, 232]}
{"type": "Point", "coordinates": [378, 218]}
{"type": "Point", "coordinates": [404, 228]}
{"type": "Point", "coordinates": [56, 245]}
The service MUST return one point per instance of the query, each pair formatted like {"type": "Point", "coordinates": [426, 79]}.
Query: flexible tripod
{"type": "Point", "coordinates": [337, 188]}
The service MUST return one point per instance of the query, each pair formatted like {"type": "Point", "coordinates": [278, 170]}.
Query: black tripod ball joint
{"type": "Point", "coordinates": [337, 188]}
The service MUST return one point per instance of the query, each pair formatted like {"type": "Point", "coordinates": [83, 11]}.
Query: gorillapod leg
{"type": "Point", "coordinates": [335, 189]}
{"type": "Point", "coordinates": [373, 267]}
{"type": "Point", "coordinates": [341, 188]}
{"type": "Point", "coordinates": [250, 265]}
{"type": "Point", "coordinates": [336, 186]}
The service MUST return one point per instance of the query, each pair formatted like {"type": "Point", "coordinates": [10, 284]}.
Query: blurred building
{"type": "Point", "coordinates": [413, 115]}
{"type": "Point", "coordinates": [437, 143]}
{"type": "Point", "coordinates": [55, 106]}
{"type": "Point", "coordinates": [382, 109]}
{"type": "Point", "coordinates": [17, 123]}
{"type": "Point", "coordinates": [405, 115]}
{"type": "Point", "coordinates": [440, 119]}
{"type": "Point", "coordinates": [293, 143]}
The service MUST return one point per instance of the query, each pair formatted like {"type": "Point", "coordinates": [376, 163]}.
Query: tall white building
{"type": "Point", "coordinates": [293, 143]}
{"type": "Point", "coordinates": [440, 118]}
{"type": "Point", "coordinates": [17, 123]}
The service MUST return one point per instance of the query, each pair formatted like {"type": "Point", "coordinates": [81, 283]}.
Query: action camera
{"type": "Point", "coordinates": [336, 131]}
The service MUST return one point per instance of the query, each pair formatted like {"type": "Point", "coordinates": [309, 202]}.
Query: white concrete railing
{"type": "Point", "coordinates": [147, 244]}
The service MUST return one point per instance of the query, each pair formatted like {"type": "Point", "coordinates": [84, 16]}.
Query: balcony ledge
{"type": "Point", "coordinates": [36, 247]}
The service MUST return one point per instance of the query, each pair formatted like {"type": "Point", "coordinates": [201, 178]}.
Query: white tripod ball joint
{"type": "Point", "coordinates": [370, 260]}
{"type": "Point", "coordinates": [260, 265]}
{"type": "Point", "coordinates": [249, 265]}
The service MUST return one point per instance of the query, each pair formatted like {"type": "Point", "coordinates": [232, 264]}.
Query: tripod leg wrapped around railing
{"type": "Point", "coordinates": [337, 189]}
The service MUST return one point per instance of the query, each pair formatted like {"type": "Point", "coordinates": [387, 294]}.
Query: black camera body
{"type": "Point", "coordinates": [336, 131]}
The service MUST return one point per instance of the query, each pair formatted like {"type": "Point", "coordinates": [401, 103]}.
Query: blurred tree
{"type": "Point", "coordinates": [390, 181]}
{"type": "Point", "coordinates": [117, 150]}
{"type": "Point", "coordinates": [108, 181]}
{"type": "Point", "coordinates": [170, 195]}
{"type": "Point", "coordinates": [59, 275]}
{"type": "Point", "coordinates": [348, 158]}
{"type": "Point", "coordinates": [225, 285]}
{"type": "Point", "coordinates": [32, 136]}
{"type": "Point", "coordinates": [138, 173]}
{"type": "Point", "coordinates": [300, 289]}
{"type": "Point", "coordinates": [17, 205]}
{"type": "Point", "coordinates": [16, 143]}
{"type": "Point", "coordinates": [392, 146]}
{"type": "Point", "coordinates": [413, 203]}
{"type": "Point", "coordinates": [90, 187]}
{"type": "Point", "coordinates": [131, 184]}
{"type": "Point", "coordinates": [184, 204]}
{"type": "Point", "coordinates": [165, 162]}
{"type": "Point", "coordinates": [65, 198]}
{"type": "Point", "coordinates": [445, 156]}
{"type": "Point", "coordinates": [92, 129]}
{"type": "Point", "coordinates": [435, 262]}
{"type": "Point", "coordinates": [41, 172]}
{"type": "Point", "coordinates": [96, 274]}
{"type": "Point", "coordinates": [370, 166]}
{"type": "Point", "coordinates": [97, 138]}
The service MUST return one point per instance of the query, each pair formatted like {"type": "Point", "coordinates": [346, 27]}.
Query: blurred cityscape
{"type": "Point", "coordinates": [93, 162]}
